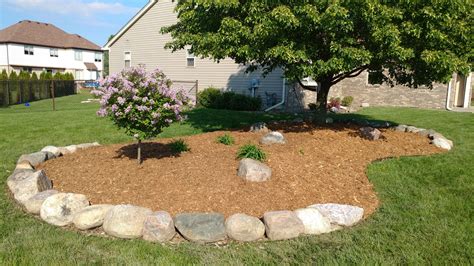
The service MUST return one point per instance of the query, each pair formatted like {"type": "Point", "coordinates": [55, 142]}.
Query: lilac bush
{"type": "Point", "coordinates": [141, 102]}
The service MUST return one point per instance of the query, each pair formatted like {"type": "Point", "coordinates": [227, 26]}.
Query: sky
{"type": "Point", "coordinates": [94, 20]}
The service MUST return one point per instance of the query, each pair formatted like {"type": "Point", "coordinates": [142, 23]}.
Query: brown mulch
{"type": "Point", "coordinates": [317, 165]}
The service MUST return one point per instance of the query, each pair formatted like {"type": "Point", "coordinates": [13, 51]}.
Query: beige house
{"type": "Point", "coordinates": [140, 43]}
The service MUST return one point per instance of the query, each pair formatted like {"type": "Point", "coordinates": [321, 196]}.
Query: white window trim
{"type": "Point", "coordinates": [29, 49]}
{"type": "Point", "coordinates": [81, 55]}
{"type": "Point", "coordinates": [98, 56]}
{"type": "Point", "coordinates": [124, 59]}
{"type": "Point", "coordinates": [190, 57]}
{"type": "Point", "coordinates": [54, 52]}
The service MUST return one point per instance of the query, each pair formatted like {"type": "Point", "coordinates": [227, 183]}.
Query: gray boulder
{"type": "Point", "coordinates": [159, 227]}
{"type": "Point", "coordinates": [52, 149]}
{"type": "Point", "coordinates": [314, 222]}
{"type": "Point", "coordinates": [245, 228]}
{"type": "Point", "coordinates": [201, 227]}
{"type": "Point", "coordinates": [59, 209]}
{"type": "Point", "coordinates": [17, 176]}
{"type": "Point", "coordinates": [254, 171]}
{"type": "Point", "coordinates": [400, 128]}
{"type": "Point", "coordinates": [87, 145]}
{"type": "Point", "coordinates": [125, 221]}
{"type": "Point", "coordinates": [340, 214]}
{"type": "Point", "coordinates": [35, 158]}
{"type": "Point", "coordinates": [259, 127]}
{"type": "Point", "coordinates": [91, 216]}
{"type": "Point", "coordinates": [442, 143]}
{"type": "Point", "coordinates": [370, 133]}
{"type": "Point", "coordinates": [31, 185]}
{"type": "Point", "coordinates": [24, 165]}
{"type": "Point", "coordinates": [282, 225]}
{"type": "Point", "coordinates": [68, 149]}
{"type": "Point", "coordinates": [427, 132]}
{"type": "Point", "coordinates": [33, 204]}
{"type": "Point", "coordinates": [273, 137]}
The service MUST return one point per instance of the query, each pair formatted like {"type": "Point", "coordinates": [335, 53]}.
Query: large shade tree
{"type": "Point", "coordinates": [412, 43]}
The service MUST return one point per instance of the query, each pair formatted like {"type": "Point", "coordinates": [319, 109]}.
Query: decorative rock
{"type": "Point", "coordinates": [413, 129]}
{"type": "Point", "coordinates": [298, 120]}
{"type": "Point", "coordinates": [259, 127]}
{"type": "Point", "coordinates": [125, 221]}
{"type": "Point", "coordinates": [242, 227]}
{"type": "Point", "coordinates": [370, 133]}
{"type": "Point", "coordinates": [329, 120]}
{"type": "Point", "coordinates": [273, 137]}
{"type": "Point", "coordinates": [59, 209]}
{"type": "Point", "coordinates": [254, 171]}
{"type": "Point", "coordinates": [87, 145]}
{"type": "Point", "coordinates": [400, 128]}
{"type": "Point", "coordinates": [442, 143]}
{"type": "Point", "coordinates": [314, 222]}
{"type": "Point", "coordinates": [427, 132]}
{"type": "Point", "coordinates": [340, 214]}
{"type": "Point", "coordinates": [68, 149]}
{"type": "Point", "coordinates": [52, 149]}
{"type": "Point", "coordinates": [24, 165]}
{"type": "Point", "coordinates": [17, 176]}
{"type": "Point", "coordinates": [159, 227]}
{"type": "Point", "coordinates": [201, 227]}
{"type": "Point", "coordinates": [379, 124]}
{"type": "Point", "coordinates": [30, 186]}
{"type": "Point", "coordinates": [33, 204]}
{"type": "Point", "coordinates": [91, 216]}
{"type": "Point", "coordinates": [282, 225]}
{"type": "Point", "coordinates": [365, 105]}
{"type": "Point", "coordinates": [34, 158]}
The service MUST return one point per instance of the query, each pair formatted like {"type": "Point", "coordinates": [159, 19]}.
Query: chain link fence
{"type": "Point", "coordinates": [23, 91]}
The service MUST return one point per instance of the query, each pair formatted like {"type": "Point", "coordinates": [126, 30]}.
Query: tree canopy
{"type": "Point", "coordinates": [411, 43]}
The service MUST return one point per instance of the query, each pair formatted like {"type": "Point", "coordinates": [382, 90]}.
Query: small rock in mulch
{"type": "Point", "coordinates": [282, 225]}
{"type": "Point", "coordinates": [259, 127]}
{"type": "Point", "coordinates": [52, 149]}
{"type": "Point", "coordinates": [442, 143]}
{"type": "Point", "coordinates": [329, 120]}
{"type": "Point", "coordinates": [59, 209]}
{"type": "Point", "coordinates": [31, 185]}
{"type": "Point", "coordinates": [254, 171]}
{"type": "Point", "coordinates": [34, 158]}
{"type": "Point", "coordinates": [125, 221]}
{"type": "Point", "coordinates": [370, 133]}
{"type": "Point", "coordinates": [314, 222]}
{"type": "Point", "coordinates": [33, 204]}
{"type": "Point", "coordinates": [400, 128]}
{"type": "Point", "coordinates": [273, 137]}
{"type": "Point", "coordinates": [91, 216]}
{"type": "Point", "coordinates": [340, 214]}
{"type": "Point", "coordinates": [201, 227]}
{"type": "Point", "coordinates": [245, 228]}
{"type": "Point", "coordinates": [159, 227]}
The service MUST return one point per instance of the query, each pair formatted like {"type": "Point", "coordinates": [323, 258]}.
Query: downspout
{"type": "Point", "coordinates": [467, 91]}
{"type": "Point", "coordinates": [282, 97]}
{"type": "Point", "coordinates": [8, 60]}
{"type": "Point", "coordinates": [448, 96]}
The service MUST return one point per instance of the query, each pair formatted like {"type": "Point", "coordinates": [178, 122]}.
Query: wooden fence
{"type": "Point", "coordinates": [23, 91]}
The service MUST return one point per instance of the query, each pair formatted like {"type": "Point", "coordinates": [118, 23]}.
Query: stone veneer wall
{"type": "Point", "coordinates": [375, 95]}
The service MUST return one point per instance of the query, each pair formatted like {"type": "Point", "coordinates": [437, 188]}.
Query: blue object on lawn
{"type": "Point", "coordinates": [27, 104]}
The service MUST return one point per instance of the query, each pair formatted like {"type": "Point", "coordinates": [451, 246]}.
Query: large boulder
{"type": "Point", "coordinates": [17, 176]}
{"type": "Point", "coordinates": [91, 216]}
{"type": "Point", "coordinates": [59, 209]}
{"type": "Point", "coordinates": [125, 221]}
{"type": "Point", "coordinates": [201, 227]}
{"type": "Point", "coordinates": [443, 143]}
{"type": "Point", "coordinates": [412, 129]}
{"type": "Point", "coordinates": [24, 165]}
{"type": "Point", "coordinates": [242, 227]}
{"type": "Point", "coordinates": [31, 185]}
{"type": "Point", "coordinates": [427, 132]}
{"type": "Point", "coordinates": [34, 158]}
{"type": "Point", "coordinates": [52, 149]}
{"type": "Point", "coordinates": [314, 222]}
{"type": "Point", "coordinates": [33, 204]}
{"type": "Point", "coordinates": [259, 127]}
{"type": "Point", "coordinates": [340, 214]}
{"type": "Point", "coordinates": [400, 128]}
{"type": "Point", "coordinates": [273, 137]}
{"type": "Point", "coordinates": [254, 171]}
{"type": "Point", "coordinates": [370, 133]}
{"type": "Point", "coordinates": [159, 227]}
{"type": "Point", "coordinates": [282, 225]}
{"type": "Point", "coordinates": [68, 149]}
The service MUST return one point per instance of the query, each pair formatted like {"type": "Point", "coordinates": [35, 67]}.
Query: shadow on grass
{"type": "Point", "coordinates": [150, 150]}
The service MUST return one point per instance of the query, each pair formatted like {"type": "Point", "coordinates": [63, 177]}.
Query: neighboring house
{"type": "Point", "coordinates": [140, 43]}
{"type": "Point", "coordinates": [35, 47]}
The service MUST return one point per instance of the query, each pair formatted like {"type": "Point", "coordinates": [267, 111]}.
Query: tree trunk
{"type": "Point", "coordinates": [139, 152]}
{"type": "Point", "coordinates": [322, 96]}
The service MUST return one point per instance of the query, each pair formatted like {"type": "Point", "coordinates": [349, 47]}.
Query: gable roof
{"type": "Point", "coordinates": [130, 23]}
{"type": "Point", "coordinates": [44, 34]}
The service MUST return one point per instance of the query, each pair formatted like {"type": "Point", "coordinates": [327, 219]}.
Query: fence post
{"type": "Point", "coordinates": [197, 90]}
{"type": "Point", "coordinates": [7, 97]}
{"type": "Point", "coordinates": [52, 95]}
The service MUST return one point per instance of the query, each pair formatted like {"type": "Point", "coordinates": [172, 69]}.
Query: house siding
{"type": "Point", "coordinates": [146, 45]}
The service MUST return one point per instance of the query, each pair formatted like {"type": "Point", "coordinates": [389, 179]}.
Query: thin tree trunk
{"type": "Point", "coordinates": [322, 97]}
{"type": "Point", "coordinates": [139, 151]}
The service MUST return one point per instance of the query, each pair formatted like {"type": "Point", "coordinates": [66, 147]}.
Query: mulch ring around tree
{"type": "Point", "coordinates": [316, 165]}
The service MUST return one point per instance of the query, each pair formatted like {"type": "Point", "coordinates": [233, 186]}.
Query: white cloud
{"type": "Point", "coordinates": [73, 7]}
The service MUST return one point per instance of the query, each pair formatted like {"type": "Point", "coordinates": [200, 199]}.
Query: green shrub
{"type": "Point", "coordinates": [252, 152]}
{"type": "Point", "coordinates": [216, 99]}
{"type": "Point", "coordinates": [179, 146]}
{"type": "Point", "coordinates": [347, 101]}
{"type": "Point", "coordinates": [226, 139]}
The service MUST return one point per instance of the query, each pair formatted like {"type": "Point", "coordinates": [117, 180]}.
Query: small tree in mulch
{"type": "Point", "coordinates": [142, 103]}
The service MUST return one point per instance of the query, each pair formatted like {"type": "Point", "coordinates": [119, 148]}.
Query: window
{"type": "Point", "coordinates": [78, 75]}
{"type": "Point", "coordinates": [53, 52]}
{"type": "Point", "coordinates": [189, 58]}
{"type": "Point", "coordinates": [78, 55]}
{"type": "Point", "coordinates": [29, 50]}
{"type": "Point", "coordinates": [98, 57]}
{"type": "Point", "coordinates": [127, 56]}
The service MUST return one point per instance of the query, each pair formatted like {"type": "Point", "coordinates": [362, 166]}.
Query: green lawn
{"type": "Point", "coordinates": [426, 216]}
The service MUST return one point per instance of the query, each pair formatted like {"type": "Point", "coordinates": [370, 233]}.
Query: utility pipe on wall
{"type": "Point", "coordinates": [282, 97]}
{"type": "Point", "coordinates": [448, 96]}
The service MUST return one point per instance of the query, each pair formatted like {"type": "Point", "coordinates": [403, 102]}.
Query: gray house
{"type": "Point", "coordinates": [140, 43]}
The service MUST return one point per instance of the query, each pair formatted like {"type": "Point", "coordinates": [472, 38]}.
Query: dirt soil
{"type": "Point", "coordinates": [317, 165]}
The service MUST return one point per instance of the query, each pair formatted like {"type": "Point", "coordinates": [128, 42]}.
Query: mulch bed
{"type": "Point", "coordinates": [317, 165]}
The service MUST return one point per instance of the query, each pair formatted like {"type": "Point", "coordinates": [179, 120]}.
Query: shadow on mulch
{"type": "Point", "coordinates": [150, 150]}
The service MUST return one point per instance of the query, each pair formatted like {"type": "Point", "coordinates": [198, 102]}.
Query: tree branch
{"type": "Point", "coordinates": [353, 73]}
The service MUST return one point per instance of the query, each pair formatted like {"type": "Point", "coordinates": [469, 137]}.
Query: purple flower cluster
{"type": "Point", "coordinates": [141, 102]}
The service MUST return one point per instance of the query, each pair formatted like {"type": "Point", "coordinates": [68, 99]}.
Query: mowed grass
{"type": "Point", "coordinates": [426, 214]}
